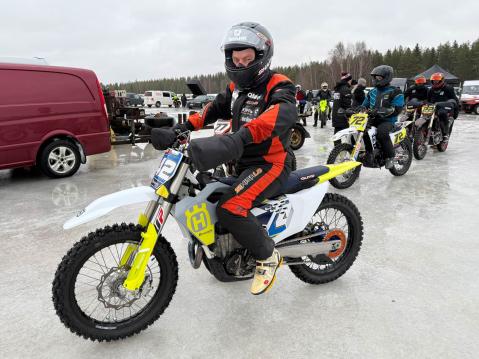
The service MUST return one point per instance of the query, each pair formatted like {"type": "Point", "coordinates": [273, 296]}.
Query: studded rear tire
{"type": "Point", "coordinates": [352, 247]}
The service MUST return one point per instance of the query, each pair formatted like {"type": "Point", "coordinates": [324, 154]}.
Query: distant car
{"type": "Point", "coordinates": [470, 97]}
{"type": "Point", "coordinates": [132, 99]}
{"type": "Point", "coordinates": [159, 98]}
{"type": "Point", "coordinates": [200, 101]}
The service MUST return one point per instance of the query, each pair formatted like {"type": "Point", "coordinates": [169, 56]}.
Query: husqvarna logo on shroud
{"type": "Point", "coordinates": [199, 223]}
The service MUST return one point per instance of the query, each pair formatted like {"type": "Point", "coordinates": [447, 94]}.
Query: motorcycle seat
{"type": "Point", "coordinates": [297, 180]}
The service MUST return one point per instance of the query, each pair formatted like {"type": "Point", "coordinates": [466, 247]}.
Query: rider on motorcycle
{"type": "Point", "coordinates": [384, 103]}
{"type": "Point", "coordinates": [418, 90]}
{"type": "Point", "coordinates": [261, 104]}
{"type": "Point", "coordinates": [444, 97]}
{"type": "Point", "coordinates": [323, 94]}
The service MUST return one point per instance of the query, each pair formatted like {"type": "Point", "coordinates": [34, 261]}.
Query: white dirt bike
{"type": "Point", "coordinates": [353, 147]}
{"type": "Point", "coordinates": [119, 279]}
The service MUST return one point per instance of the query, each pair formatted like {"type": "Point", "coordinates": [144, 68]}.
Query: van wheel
{"type": "Point", "coordinates": [158, 104]}
{"type": "Point", "coordinates": [60, 158]}
{"type": "Point", "coordinates": [476, 109]}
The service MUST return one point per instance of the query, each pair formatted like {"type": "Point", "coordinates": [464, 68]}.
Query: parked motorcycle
{"type": "Point", "coordinates": [428, 131]}
{"type": "Point", "coordinates": [118, 280]}
{"type": "Point", "coordinates": [353, 147]}
{"type": "Point", "coordinates": [298, 135]}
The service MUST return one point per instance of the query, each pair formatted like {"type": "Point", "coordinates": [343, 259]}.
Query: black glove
{"type": "Point", "coordinates": [385, 112]}
{"type": "Point", "coordinates": [210, 152]}
{"type": "Point", "coordinates": [183, 127]}
{"type": "Point", "coordinates": [162, 138]}
{"type": "Point", "coordinates": [373, 112]}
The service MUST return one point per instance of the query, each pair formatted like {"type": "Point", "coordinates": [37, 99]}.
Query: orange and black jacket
{"type": "Point", "coordinates": [263, 116]}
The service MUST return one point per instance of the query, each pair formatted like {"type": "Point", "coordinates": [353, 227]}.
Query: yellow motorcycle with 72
{"type": "Point", "coordinates": [358, 143]}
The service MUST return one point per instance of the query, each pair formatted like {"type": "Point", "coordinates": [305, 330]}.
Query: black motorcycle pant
{"type": "Point", "coordinates": [383, 131]}
{"type": "Point", "coordinates": [443, 116]}
{"type": "Point", "coordinates": [254, 185]}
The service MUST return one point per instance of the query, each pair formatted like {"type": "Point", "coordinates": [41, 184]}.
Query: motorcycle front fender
{"type": "Point", "coordinates": [108, 203]}
{"type": "Point", "coordinates": [347, 132]}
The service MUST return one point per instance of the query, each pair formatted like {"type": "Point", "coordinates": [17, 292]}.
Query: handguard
{"type": "Point", "coordinates": [210, 152]}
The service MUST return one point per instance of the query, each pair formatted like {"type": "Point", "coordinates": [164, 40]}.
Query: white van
{"type": "Point", "coordinates": [470, 96]}
{"type": "Point", "coordinates": [159, 98]}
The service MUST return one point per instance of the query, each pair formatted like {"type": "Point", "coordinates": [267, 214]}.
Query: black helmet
{"type": "Point", "coordinates": [244, 36]}
{"type": "Point", "coordinates": [386, 72]}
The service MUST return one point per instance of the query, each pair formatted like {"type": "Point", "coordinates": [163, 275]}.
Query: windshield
{"type": "Point", "coordinates": [148, 93]}
{"type": "Point", "coordinates": [200, 98]}
{"type": "Point", "coordinates": [471, 90]}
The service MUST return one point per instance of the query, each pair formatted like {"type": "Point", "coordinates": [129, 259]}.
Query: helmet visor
{"type": "Point", "coordinates": [244, 37]}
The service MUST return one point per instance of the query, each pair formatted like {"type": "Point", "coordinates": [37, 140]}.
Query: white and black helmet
{"type": "Point", "coordinates": [244, 36]}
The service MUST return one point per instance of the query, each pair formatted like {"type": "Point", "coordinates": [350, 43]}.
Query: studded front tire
{"type": "Point", "coordinates": [65, 299]}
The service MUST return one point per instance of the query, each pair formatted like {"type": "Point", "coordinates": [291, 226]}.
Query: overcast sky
{"type": "Point", "coordinates": [128, 40]}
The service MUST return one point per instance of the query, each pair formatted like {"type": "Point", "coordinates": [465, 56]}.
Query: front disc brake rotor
{"type": "Point", "coordinates": [112, 293]}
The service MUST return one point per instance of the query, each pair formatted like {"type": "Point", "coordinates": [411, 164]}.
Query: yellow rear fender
{"type": "Point", "coordinates": [337, 169]}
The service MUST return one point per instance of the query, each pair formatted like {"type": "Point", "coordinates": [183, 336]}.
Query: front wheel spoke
{"type": "Point", "coordinates": [88, 276]}
{"type": "Point", "coordinates": [91, 302]}
{"type": "Point", "coordinates": [84, 291]}
{"type": "Point", "coordinates": [114, 258]}
{"type": "Point", "coordinates": [103, 258]}
{"type": "Point", "coordinates": [93, 270]}
{"type": "Point", "coordinates": [98, 263]}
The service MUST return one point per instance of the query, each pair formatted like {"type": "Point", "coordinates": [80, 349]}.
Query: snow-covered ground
{"type": "Point", "coordinates": [412, 291]}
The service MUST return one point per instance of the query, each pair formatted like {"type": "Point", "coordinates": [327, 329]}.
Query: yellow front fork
{"type": "Point", "coordinates": [136, 275]}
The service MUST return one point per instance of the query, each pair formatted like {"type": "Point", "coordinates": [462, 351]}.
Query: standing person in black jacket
{"type": "Point", "coordinates": [183, 100]}
{"type": "Point", "coordinates": [358, 93]}
{"type": "Point", "coordinates": [444, 97]}
{"type": "Point", "coordinates": [341, 102]}
{"type": "Point", "coordinates": [417, 91]}
{"type": "Point", "coordinates": [261, 105]}
{"type": "Point", "coordinates": [309, 96]}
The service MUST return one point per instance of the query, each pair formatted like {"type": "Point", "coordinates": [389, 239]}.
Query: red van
{"type": "Point", "coordinates": [52, 117]}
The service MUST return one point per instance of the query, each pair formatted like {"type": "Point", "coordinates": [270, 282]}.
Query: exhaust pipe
{"type": "Point", "coordinates": [308, 249]}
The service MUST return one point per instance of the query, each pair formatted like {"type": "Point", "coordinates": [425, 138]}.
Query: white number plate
{"type": "Point", "coordinates": [168, 166]}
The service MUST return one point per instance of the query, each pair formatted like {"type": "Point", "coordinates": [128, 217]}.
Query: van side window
{"type": "Point", "coordinates": [166, 94]}
{"type": "Point", "coordinates": [37, 87]}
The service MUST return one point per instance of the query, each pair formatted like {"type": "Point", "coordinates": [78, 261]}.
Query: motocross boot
{"type": "Point", "coordinates": [265, 273]}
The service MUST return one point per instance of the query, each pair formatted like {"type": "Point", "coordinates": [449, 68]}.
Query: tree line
{"type": "Point", "coordinates": [461, 60]}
